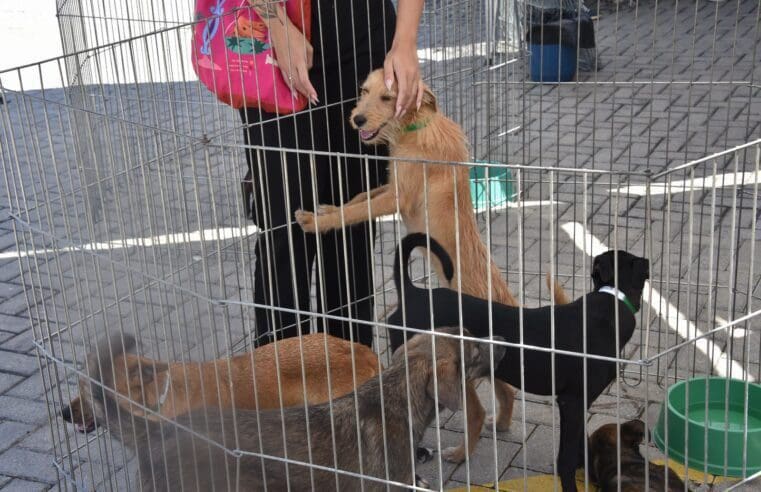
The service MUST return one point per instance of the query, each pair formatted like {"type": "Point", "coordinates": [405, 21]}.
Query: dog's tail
{"type": "Point", "coordinates": [132, 430]}
{"type": "Point", "coordinates": [561, 297]}
{"type": "Point", "coordinates": [409, 243]}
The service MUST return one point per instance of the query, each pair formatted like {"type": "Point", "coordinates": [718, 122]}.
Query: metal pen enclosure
{"type": "Point", "coordinates": [122, 175]}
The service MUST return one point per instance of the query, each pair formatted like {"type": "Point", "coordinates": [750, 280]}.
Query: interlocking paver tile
{"type": "Point", "coordinates": [9, 270]}
{"type": "Point", "coordinates": [538, 449]}
{"type": "Point", "coordinates": [38, 440]}
{"type": "Point", "coordinates": [17, 363]}
{"type": "Point", "coordinates": [482, 466]}
{"type": "Point", "coordinates": [27, 464]}
{"type": "Point", "coordinates": [13, 432]}
{"type": "Point", "coordinates": [15, 324]}
{"type": "Point", "coordinates": [21, 410]}
{"type": "Point", "coordinates": [19, 485]}
{"type": "Point", "coordinates": [8, 381]}
{"type": "Point", "coordinates": [21, 343]}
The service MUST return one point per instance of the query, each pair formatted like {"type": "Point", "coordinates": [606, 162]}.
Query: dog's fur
{"type": "Point", "coordinates": [536, 365]}
{"type": "Point", "coordinates": [441, 139]}
{"type": "Point", "coordinates": [212, 384]}
{"type": "Point", "coordinates": [170, 457]}
{"type": "Point", "coordinates": [431, 197]}
{"type": "Point", "coordinates": [603, 459]}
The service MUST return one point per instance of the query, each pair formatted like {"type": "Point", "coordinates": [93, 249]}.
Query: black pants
{"type": "Point", "coordinates": [285, 181]}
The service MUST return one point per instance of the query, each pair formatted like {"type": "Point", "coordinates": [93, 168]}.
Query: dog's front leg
{"type": "Point", "coordinates": [505, 395]}
{"type": "Point", "coordinates": [475, 420]}
{"type": "Point", "coordinates": [571, 434]}
{"type": "Point", "coordinates": [362, 197]}
{"type": "Point", "coordinates": [383, 203]}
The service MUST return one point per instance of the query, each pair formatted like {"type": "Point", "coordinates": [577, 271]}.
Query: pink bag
{"type": "Point", "coordinates": [233, 57]}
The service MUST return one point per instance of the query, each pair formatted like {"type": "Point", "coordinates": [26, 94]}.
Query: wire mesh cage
{"type": "Point", "coordinates": [123, 177]}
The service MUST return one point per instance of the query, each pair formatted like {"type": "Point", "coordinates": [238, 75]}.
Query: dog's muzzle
{"type": "Point", "coordinates": [368, 135]}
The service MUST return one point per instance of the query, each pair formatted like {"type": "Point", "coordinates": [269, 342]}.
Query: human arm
{"type": "Point", "coordinates": [291, 49]}
{"type": "Point", "coordinates": [401, 60]}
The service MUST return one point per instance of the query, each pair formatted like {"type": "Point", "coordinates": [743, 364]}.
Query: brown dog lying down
{"type": "Point", "coordinates": [174, 388]}
{"type": "Point", "coordinates": [359, 420]}
{"type": "Point", "coordinates": [603, 456]}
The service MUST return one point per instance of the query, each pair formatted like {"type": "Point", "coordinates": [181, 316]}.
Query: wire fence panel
{"type": "Point", "coordinates": [155, 270]}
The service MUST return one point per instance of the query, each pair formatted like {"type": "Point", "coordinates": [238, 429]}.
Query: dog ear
{"type": "Point", "coordinates": [429, 99]}
{"type": "Point", "coordinates": [643, 268]}
{"type": "Point", "coordinates": [148, 370]}
{"type": "Point", "coordinates": [602, 270]}
{"type": "Point", "coordinates": [450, 389]}
{"type": "Point", "coordinates": [632, 433]}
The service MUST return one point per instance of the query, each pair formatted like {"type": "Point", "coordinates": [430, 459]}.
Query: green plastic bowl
{"type": "Point", "coordinates": [500, 187]}
{"type": "Point", "coordinates": [721, 422]}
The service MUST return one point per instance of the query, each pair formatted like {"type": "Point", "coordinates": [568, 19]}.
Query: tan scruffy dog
{"type": "Point", "coordinates": [424, 134]}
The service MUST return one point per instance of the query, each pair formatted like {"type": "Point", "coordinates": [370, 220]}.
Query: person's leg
{"type": "Point", "coordinates": [283, 260]}
{"type": "Point", "coordinates": [348, 255]}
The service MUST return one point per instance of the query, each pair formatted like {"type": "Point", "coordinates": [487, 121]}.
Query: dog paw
{"type": "Point", "coordinates": [501, 426]}
{"type": "Point", "coordinates": [327, 209]}
{"type": "Point", "coordinates": [455, 454]}
{"type": "Point", "coordinates": [423, 455]}
{"type": "Point", "coordinates": [421, 482]}
{"type": "Point", "coordinates": [305, 220]}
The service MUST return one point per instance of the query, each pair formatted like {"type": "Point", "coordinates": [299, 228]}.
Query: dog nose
{"type": "Point", "coordinates": [360, 120]}
{"type": "Point", "coordinates": [66, 413]}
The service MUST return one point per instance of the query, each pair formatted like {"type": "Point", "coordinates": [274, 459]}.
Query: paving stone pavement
{"type": "Point", "coordinates": [158, 168]}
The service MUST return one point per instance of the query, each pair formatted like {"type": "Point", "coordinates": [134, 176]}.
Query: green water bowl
{"type": "Point", "coordinates": [493, 192]}
{"type": "Point", "coordinates": [704, 418]}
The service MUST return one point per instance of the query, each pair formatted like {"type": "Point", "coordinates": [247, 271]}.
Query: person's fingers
{"type": "Point", "coordinates": [402, 94]}
{"type": "Point", "coordinates": [286, 76]}
{"type": "Point", "coordinates": [388, 72]}
{"type": "Point", "coordinates": [306, 84]}
{"type": "Point", "coordinates": [420, 91]}
{"type": "Point", "coordinates": [298, 83]}
{"type": "Point", "coordinates": [310, 56]}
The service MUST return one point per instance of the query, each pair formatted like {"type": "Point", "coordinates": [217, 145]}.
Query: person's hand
{"type": "Point", "coordinates": [293, 53]}
{"type": "Point", "coordinates": [402, 64]}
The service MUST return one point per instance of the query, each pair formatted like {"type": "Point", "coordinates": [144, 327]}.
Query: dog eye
{"type": "Point", "coordinates": [386, 98]}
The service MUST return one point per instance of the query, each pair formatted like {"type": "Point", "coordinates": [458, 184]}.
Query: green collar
{"type": "Point", "coordinates": [620, 295]}
{"type": "Point", "coordinates": [416, 125]}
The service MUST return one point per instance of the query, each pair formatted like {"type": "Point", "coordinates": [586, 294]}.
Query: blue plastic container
{"type": "Point", "coordinates": [552, 62]}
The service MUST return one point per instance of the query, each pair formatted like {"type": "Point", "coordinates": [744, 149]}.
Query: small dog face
{"type": "Point", "coordinates": [81, 414]}
{"type": "Point", "coordinates": [605, 438]}
{"type": "Point", "coordinates": [375, 113]}
{"type": "Point", "coordinates": [477, 362]}
{"type": "Point", "coordinates": [137, 382]}
{"type": "Point", "coordinates": [633, 271]}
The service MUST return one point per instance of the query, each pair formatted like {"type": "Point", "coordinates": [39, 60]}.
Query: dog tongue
{"type": "Point", "coordinates": [364, 134]}
{"type": "Point", "coordinates": [85, 429]}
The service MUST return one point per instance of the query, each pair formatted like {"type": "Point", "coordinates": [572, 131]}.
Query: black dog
{"type": "Point", "coordinates": [603, 460]}
{"type": "Point", "coordinates": [536, 364]}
